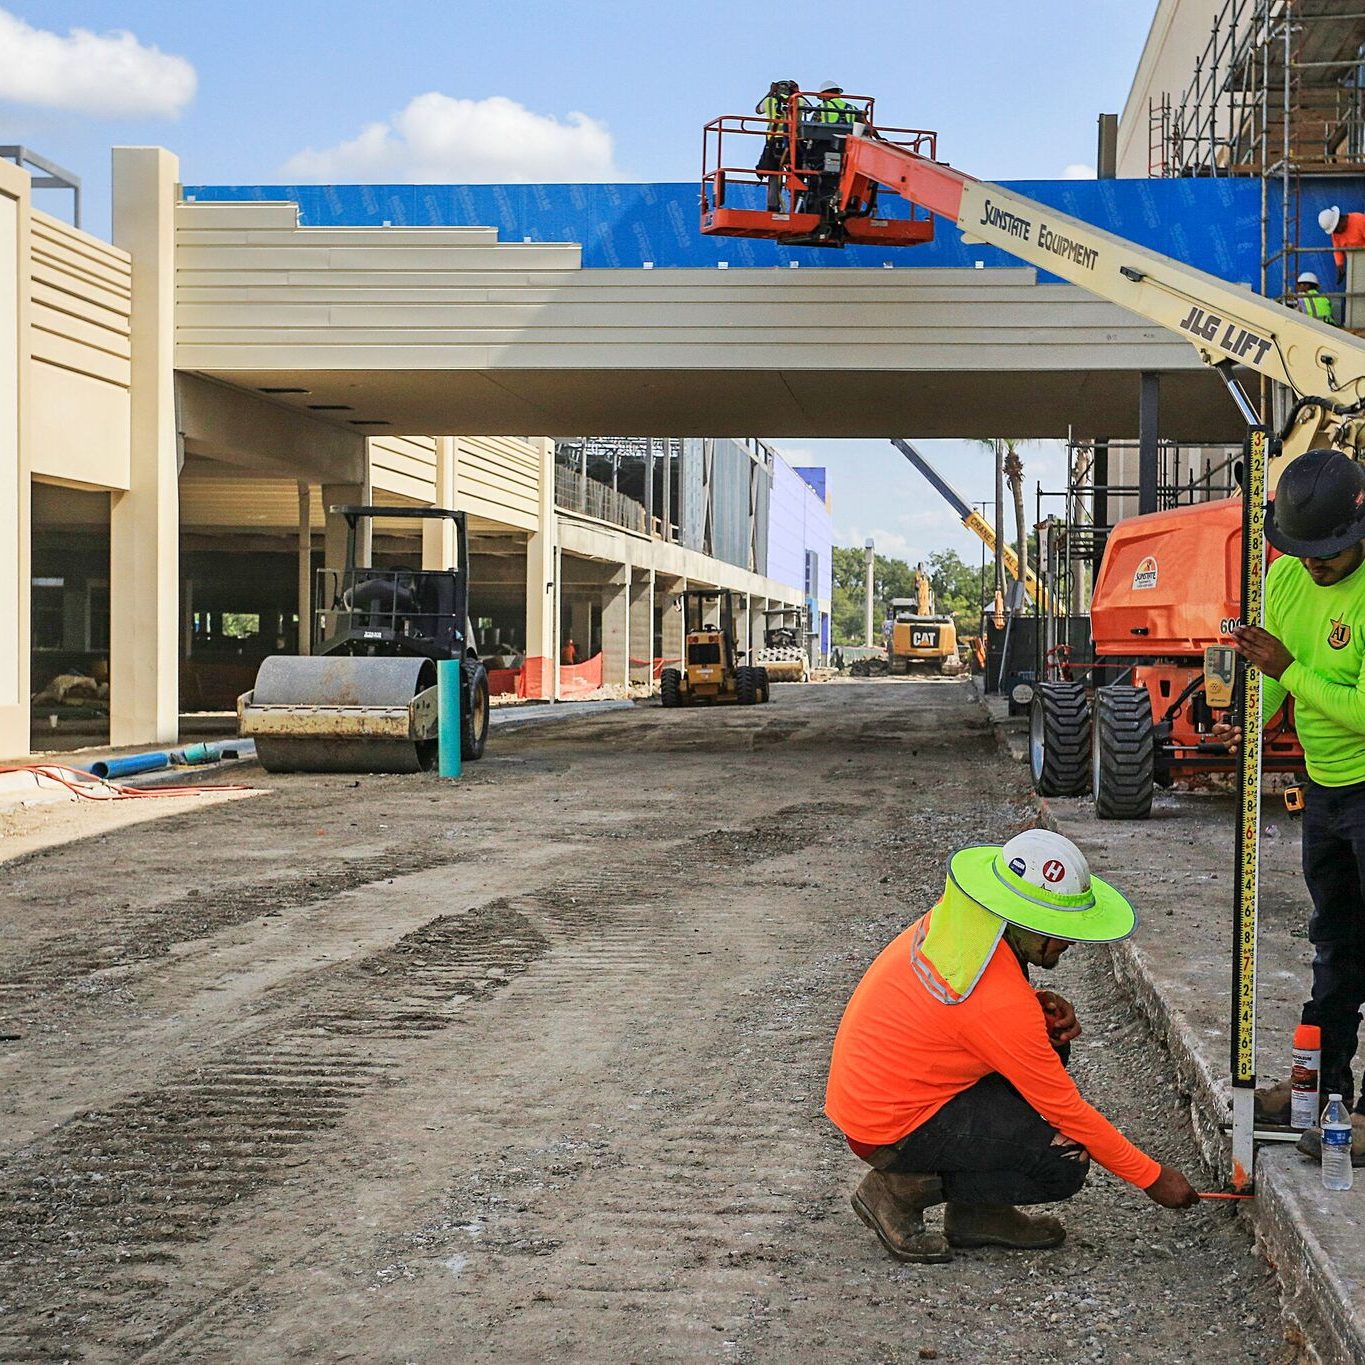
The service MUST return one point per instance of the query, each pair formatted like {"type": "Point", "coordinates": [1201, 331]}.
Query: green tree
{"type": "Point", "coordinates": [957, 587]}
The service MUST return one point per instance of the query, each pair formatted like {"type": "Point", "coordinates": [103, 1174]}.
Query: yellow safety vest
{"type": "Point", "coordinates": [1316, 305]}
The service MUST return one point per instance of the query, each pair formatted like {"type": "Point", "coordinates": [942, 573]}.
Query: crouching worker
{"type": "Point", "coordinates": [948, 1073]}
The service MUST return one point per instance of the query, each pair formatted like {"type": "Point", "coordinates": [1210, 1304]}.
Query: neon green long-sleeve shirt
{"type": "Point", "coordinates": [1324, 629]}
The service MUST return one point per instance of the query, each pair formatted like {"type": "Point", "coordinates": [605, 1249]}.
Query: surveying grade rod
{"type": "Point", "coordinates": [1247, 883]}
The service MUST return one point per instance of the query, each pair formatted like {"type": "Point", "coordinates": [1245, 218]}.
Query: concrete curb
{"type": "Point", "coordinates": [1317, 1300]}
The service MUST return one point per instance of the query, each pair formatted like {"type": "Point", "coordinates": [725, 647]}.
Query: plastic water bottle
{"type": "Point", "coordinates": [1336, 1145]}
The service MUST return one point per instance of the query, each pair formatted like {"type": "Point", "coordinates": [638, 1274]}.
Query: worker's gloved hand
{"type": "Point", "coordinates": [1223, 733]}
{"type": "Point", "coordinates": [1060, 1014]}
{"type": "Point", "coordinates": [1172, 1191]}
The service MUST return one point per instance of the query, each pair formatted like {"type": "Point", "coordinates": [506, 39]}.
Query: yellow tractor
{"type": "Point", "coordinates": [920, 638]}
{"type": "Point", "coordinates": [711, 670]}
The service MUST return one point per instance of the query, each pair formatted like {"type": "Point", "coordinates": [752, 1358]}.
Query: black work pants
{"type": "Point", "coordinates": [773, 157]}
{"type": "Point", "coordinates": [1334, 869]}
{"type": "Point", "coordinates": [991, 1147]}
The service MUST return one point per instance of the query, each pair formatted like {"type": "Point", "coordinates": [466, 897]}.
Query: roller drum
{"type": "Point", "coordinates": [339, 680]}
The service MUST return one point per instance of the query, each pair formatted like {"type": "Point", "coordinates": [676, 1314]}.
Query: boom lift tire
{"type": "Point", "coordinates": [670, 687]}
{"type": "Point", "coordinates": [474, 717]}
{"type": "Point", "coordinates": [1123, 753]}
{"type": "Point", "coordinates": [1059, 739]}
{"type": "Point", "coordinates": [746, 686]}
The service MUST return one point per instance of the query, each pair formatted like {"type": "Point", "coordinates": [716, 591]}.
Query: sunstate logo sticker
{"type": "Point", "coordinates": [1145, 574]}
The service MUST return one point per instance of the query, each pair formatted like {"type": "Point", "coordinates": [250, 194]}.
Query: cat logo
{"type": "Point", "coordinates": [1145, 575]}
{"type": "Point", "coordinates": [1340, 634]}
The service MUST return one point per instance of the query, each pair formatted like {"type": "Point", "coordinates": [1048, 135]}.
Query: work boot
{"type": "Point", "coordinates": [893, 1205]}
{"type": "Point", "coordinates": [1272, 1104]}
{"type": "Point", "coordinates": [1310, 1144]}
{"type": "Point", "coordinates": [1000, 1225]}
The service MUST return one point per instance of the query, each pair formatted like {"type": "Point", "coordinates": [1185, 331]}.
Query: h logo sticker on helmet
{"type": "Point", "coordinates": [1053, 871]}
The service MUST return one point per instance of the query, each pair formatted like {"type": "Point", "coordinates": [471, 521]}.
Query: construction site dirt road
{"type": "Point", "coordinates": [530, 1066]}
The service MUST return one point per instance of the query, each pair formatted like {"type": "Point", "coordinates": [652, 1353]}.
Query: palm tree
{"type": "Point", "coordinates": [1013, 468]}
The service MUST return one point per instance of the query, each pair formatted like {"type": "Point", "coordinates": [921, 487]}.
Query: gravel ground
{"type": "Point", "coordinates": [530, 1067]}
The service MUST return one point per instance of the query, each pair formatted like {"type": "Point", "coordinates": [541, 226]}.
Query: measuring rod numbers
{"type": "Point", "coordinates": [1248, 843]}
{"type": "Point", "coordinates": [1235, 340]}
{"type": "Point", "coordinates": [1015, 225]}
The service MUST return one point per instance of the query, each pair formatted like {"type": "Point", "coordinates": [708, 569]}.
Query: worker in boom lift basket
{"type": "Point", "coordinates": [774, 108]}
{"type": "Point", "coordinates": [1312, 649]}
{"type": "Point", "coordinates": [948, 1075]}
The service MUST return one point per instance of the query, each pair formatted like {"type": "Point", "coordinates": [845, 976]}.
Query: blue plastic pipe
{"type": "Point", "coordinates": [126, 767]}
{"type": "Point", "coordinates": [449, 689]}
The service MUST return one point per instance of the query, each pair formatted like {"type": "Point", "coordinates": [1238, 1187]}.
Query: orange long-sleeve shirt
{"type": "Point", "coordinates": [900, 1055]}
{"type": "Point", "coordinates": [1350, 233]}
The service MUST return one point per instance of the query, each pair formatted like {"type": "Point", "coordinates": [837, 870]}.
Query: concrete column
{"type": "Point", "coordinates": [335, 529]}
{"type": "Point", "coordinates": [744, 637]}
{"type": "Point", "coordinates": [642, 626]}
{"type": "Point", "coordinates": [673, 624]}
{"type": "Point", "coordinates": [144, 522]}
{"type": "Point", "coordinates": [305, 568]}
{"type": "Point", "coordinates": [616, 627]}
{"type": "Point", "coordinates": [557, 630]}
{"type": "Point", "coordinates": [542, 578]}
{"type": "Point", "coordinates": [15, 493]}
{"type": "Point", "coordinates": [438, 536]}
{"type": "Point", "coordinates": [578, 609]}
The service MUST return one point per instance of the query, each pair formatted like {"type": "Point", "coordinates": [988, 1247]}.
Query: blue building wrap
{"type": "Point", "coordinates": [1213, 224]}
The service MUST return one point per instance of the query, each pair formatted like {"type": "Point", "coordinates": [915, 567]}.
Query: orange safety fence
{"type": "Point", "coordinates": [574, 679]}
{"type": "Point", "coordinates": [656, 665]}
{"type": "Point", "coordinates": [501, 680]}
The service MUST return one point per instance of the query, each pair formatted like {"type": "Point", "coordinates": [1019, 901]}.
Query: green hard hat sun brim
{"type": "Point", "coordinates": [1101, 915]}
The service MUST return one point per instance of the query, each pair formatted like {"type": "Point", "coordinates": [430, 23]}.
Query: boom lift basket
{"type": "Point", "coordinates": [807, 160]}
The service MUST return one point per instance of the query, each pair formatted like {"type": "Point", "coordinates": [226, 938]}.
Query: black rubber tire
{"type": "Point", "coordinates": [746, 686]}
{"type": "Point", "coordinates": [1123, 753]}
{"type": "Point", "coordinates": [474, 714]}
{"type": "Point", "coordinates": [1059, 739]}
{"type": "Point", "coordinates": [670, 687]}
{"type": "Point", "coordinates": [764, 687]}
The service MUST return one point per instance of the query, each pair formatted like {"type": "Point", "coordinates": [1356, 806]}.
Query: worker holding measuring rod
{"type": "Point", "coordinates": [1312, 649]}
{"type": "Point", "coordinates": [948, 1075]}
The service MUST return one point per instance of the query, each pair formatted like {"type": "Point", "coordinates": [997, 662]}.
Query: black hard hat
{"type": "Point", "coordinates": [1319, 507]}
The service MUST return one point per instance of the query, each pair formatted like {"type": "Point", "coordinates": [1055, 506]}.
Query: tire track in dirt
{"type": "Point", "coordinates": [95, 1207]}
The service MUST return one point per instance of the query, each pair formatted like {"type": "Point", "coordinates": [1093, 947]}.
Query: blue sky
{"type": "Point", "coordinates": [254, 92]}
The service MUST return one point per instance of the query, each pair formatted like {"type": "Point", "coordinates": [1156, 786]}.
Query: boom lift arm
{"type": "Point", "coordinates": [973, 520]}
{"type": "Point", "coordinates": [1227, 325]}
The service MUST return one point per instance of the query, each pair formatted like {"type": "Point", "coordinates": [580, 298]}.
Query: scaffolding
{"type": "Point", "coordinates": [1278, 94]}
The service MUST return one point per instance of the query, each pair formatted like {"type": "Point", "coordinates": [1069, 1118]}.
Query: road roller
{"type": "Point", "coordinates": [364, 701]}
{"type": "Point", "coordinates": [784, 644]}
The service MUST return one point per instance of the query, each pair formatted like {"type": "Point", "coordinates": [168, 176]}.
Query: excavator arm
{"type": "Point", "coordinates": [1227, 324]}
{"type": "Point", "coordinates": [973, 520]}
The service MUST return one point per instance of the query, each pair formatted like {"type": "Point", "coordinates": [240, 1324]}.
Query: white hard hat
{"type": "Point", "coordinates": [1307, 277]}
{"type": "Point", "coordinates": [1047, 860]}
{"type": "Point", "coordinates": [1329, 218]}
{"type": "Point", "coordinates": [827, 86]}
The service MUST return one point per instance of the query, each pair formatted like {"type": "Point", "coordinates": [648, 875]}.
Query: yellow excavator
{"type": "Point", "coordinates": [921, 639]}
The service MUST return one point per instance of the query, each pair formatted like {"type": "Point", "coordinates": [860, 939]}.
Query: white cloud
{"type": "Point", "coordinates": [1078, 170]}
{"type": "Point", "coordinates": [109, 75]}
{"type": "Point", "coordinates": [437, 139]}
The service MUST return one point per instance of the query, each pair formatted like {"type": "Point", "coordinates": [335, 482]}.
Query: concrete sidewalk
{"type": "Point", "coordinates": [1178, 867]}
